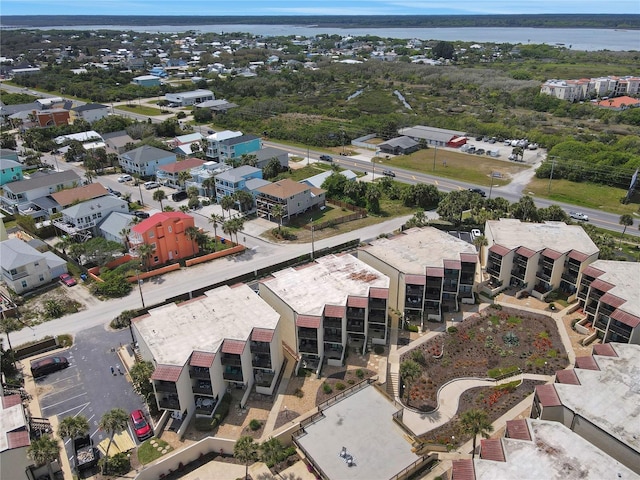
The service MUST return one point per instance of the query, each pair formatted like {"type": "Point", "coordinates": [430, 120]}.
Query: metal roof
{"type": "Point", "coordinates": [604, 349]}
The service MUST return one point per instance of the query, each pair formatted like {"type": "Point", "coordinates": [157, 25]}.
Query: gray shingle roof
{"type": "Point", "coordinates": [46, 180]}
{"type": "Point", "coordinates": [15, 253]}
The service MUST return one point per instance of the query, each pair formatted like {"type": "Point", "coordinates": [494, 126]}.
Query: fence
{"type": "Point", "coordinates": [40, 346]}
{"type": "Point", "coordinates": [346, 393]}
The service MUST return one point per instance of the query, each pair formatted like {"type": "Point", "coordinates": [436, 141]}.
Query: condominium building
{"type": "Point", "coordinates": [228, 338]}
{"type": "Point", "coordinates": [430, 271]}
{"type": "Point", "coordinates": [334, 302]}
{"type": "Point", "coordinates": [584, 88]}
{"type": "Point", "coordinates": [608, 295]}
{"type": "Point", "coordinates": [536, 257]}
{"type": "Point", "coordinates": [599, 400]}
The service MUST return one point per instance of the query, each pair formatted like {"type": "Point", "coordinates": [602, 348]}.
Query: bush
{"type": "Point", "coordinates": [65, 340]}
{"type": "Point", "coordinates": [326, 388]}
{"type": "Point", "coordinates": [351, 381]}
{"type": "Point", "coordinates": [412, 328]}
{"type": "Point", "coordinates": [452, 330]}
{"type": "Point", "coordinates": [360, 373]}
{"type": "Point", "coordinates": [378, 349]}
{"type": "Point", "coordinates": [340, 386]}
{"type": "Point", "coordinates": [123, 320]}
{"type": "Point", "coordinates": [255, 425]}
{"type": "Point", "coordinates": [299, 393]}
{"type": "Point", "coordinates": [118, 464]}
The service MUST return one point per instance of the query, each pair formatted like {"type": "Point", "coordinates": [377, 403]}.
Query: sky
{"type": "Point", "coordinates": [312, 7]}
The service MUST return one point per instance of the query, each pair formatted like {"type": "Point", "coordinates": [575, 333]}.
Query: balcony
{"type": "Point", "coordinates": [333, 351]}
{"type": "Point", "coordinates": [357, 327]}
{"type": "Point", "coordinates": [433, 294]}
{"type": "Point", "coordinates": [165, 387]}
{"type": "Point", "coordinates": [203, 387]}
{"type": "Point", "coordinates": [307, 346]}
{"type": "Point", "coordinates": [518, 273]}
{"type": "Point", "coordinates": [169, 402]}
{"type": "Point", "coordinates": [231, 359]}
{"type": "Point", "coordinates": [199, 372]}
{"type": "Point", "coordinates": [333, 336]}
{"type": "Point", "coordinates": [493, 269]}
{"type": "Point", "coordinates": [232, 374]}
{"type": "Point", "coordinates": [619, 332]}
{"type": "Point", "coordinates": [377, 333]}
{"type": "Point", "coordinates": [262, 361]}
{"type": "Point", "coordinates": [332, 322]}
{"type": "Point", "coordinates": [262, 378]}
{"type": "Point", "coordinates": [205, 405]}
{"type": "Point", "coordinates": [377, 304]}
{"type": "Point", "coordinates": [413, 302]}
{"type": "Point", "coordinates": [308, 333]}
{"type": "Point", "coordinates": [261, 347]}
{"type": "Point", "coordinates": [544, 275]}
{"type": "Point", "coordinates": [450, 286]}
{"type": "Point", "coordinates": [467, 279]}
{"type": "Point", "coordinates": [569, 277]}
{"type": "Point", "coordinates": [355, 313]}
{"type": "Point", "coordinates": [520, 261]}
{"type": "Point", "coordinates": [602, 322]}
{"type": "Point", "coordinates": [377, 317]}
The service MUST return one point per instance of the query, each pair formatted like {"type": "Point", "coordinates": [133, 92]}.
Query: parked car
{"type": "Point", "coordinates": [479, 191]}
{"type": "Point", "coordinates": [210, 132]}
{"type": "Point", "coordinates": [124, 178]}
{"type": "Point", "coordinates": [113, 192]}
{"type": "Point", "coordinates": [45, 366]}
{"type": "Point", "coordinates": [151, 185]}
{"type": "Point", "coordinates": [178, 196]}
{"type": "Point", "coordinates": [579, 216]}
{"type": "Point", "coordinates": [140, 214]}
{"type": "Point", "coordinates": [471, 149]}
{"type": "Point", "coordinates": [68, 280]}
{"type": "Point", "coordinates": [389, 173]}
{"type": "Point", "coordinates": [326, 158]}
{"type": "Point", "coordinates": [480, 151]}
{"type": "Point", "coordinates": [140, 425]}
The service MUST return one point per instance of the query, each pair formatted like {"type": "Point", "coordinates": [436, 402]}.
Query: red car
{"type": "Point", "coordinates": [140, 425]}
{"type": "Point", "coordinates": [68, 280]}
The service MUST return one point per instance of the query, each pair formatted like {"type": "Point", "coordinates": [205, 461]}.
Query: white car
{"type": "Point", "coordinates": [475, 233]}
{"type": "Point", "coordinates": [124, 178]}
{"type": "Point", "coordinates": [579, 216]}
{"type": "Point", "coordinates": [151, 185]}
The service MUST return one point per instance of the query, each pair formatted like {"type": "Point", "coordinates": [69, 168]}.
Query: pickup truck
{"type": "Point", "coordinates": [86, 455]}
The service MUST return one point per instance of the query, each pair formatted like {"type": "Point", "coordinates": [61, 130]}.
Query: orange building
{"type": "Point", "coordinates": [50, 118]}
{"type": "Point", "coordinates": [166, 233]}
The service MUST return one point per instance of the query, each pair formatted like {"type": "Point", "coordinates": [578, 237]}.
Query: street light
{"type": "Point", "coordinates": [313, 249]}
{"type": "Point", "coordinates": [491, 187]}
{"type": "Point", "coordinates": [140, 288]}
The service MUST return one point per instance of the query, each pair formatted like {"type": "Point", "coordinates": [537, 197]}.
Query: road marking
{"type": "Point", "coordinates": [63, 401]}
{"type": "Point", "coordinates": [81, 407]}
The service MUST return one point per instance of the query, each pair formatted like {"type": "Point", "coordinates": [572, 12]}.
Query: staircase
{"type": "Point", "coordinates": [392, 383]}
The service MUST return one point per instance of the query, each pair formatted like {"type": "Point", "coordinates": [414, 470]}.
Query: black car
{"type": "Point", "coordinates": [389, 173]}
{"type": "Point", "coordinates": [478, 191]}
{"type": "Point", "coordinates": [178, 196]}
{"type": "Point", "coordinates": [141, 214]}
{"type": "Point", "coordinates": [45, 366]}
{"type": "Point", "coordinates": [326, 158]}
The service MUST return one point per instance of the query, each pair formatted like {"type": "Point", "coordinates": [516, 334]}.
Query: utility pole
{"type": "Point", "coordinates": [491, 187]}
{"type": "Point", "coordinates": [435, 151]}
{"type": "Point", "coordinates": [140, 289]}
{"type": "Point", "coordinates": [308, 155]}
{"type": "Point", "coordinates": [553, 164]}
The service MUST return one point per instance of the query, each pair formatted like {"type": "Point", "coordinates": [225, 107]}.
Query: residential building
{"type": "Point", "coordinates": [114, 226]}
{"type": "Point", "coordinates": [9, 154]}
{"type": "Point", "coordinates": [201, 348]}
{"type": "Point", "coordinates": [20, 195]}
{"type": "Point", "coordinates": [169, 175]}
{"type": "Point", "coordinates": [117, 141]}
{"type": "Point", "coordinates": [69, 196]}
{"type": "Point", "coordinates": [166, 232]}
{"type": "Point", "coordinates": [82, 219]}
{"type": "Point", "coordinates": [539, 449]}
{"type": "Point", "coordinates": [570, 90]}
{"type": "Point", "coordinates": [619, 103]}
{"type": "Point", "coordinates": [145, 160]}
{"type": "Point", "coordinates": [203, 176]}
{"type": "Point", "coordinates": [24, 268]}
{"type": "Point", "coordinates": [326, 306]}
{"type": "Point", "coordinates": [431, 272]}
{"type": "Point", "coordinates": [217, 106]}
{"type": "Point", "coordinates": [10, 171]}
{"type": "Point", "coordinates": [185, 145]}
{"type": "Point", "coordinates": [213, 142]}
{"type": "Point", "coordinates": [599, 400]}
{"type": "Point", "coordinates": [231, 181]}
{"type": "Point", "coordinates": [185, 99]}
{"type": "Point", "coordinates": [147, 81]}
{"type": "Point", "coordinates": [265, 155]}
{"type": "Point", "coordinates": [437, 137]}
{"type": "Point", "coordinates": [317, 180]}
{"type": "Point", "coordinates": [89, 112]}
{"type": "Point", "coordinates": [49, 103]}
{"type": "Point", "coordinates": [236, 147]}
{"type": "Point", "coordinates": [51, 118]}
{"type": "Point", "coordinates": [536, 257]}
{"type": "Point", "coordinates": [294, 197]}
{"type": "Point", "coordinates": [399, 146]}
{"type": "Point", "coordinates": [585, 88]}
{"type": "Point", "coordinates": [608, 295]}
{"type": "Point", "coordinates": [90, 136]}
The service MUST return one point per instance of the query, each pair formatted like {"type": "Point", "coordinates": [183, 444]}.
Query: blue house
{"type": "Point", "coordinates": [147, 81]}
{"type": "Point", "coordinates": [158, 72]}
{"type": "Point", "coordinates": [229, 182]}
{"type": "Point", "coordinates": [237, 146]}
{"type": "Point", "coordinates": [145, 160]}
{"type": "Point", "coordinates": [10, 171]}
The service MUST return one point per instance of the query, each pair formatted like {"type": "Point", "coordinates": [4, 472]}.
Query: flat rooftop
{"type": "Point", "coordinates": [172, 332]}
{"type": "Point", "coordinates": [328, 281]}
{"type": "Point", "coordinates": [558, 236]}
{"type": "Point", "coordinates": [610, 397]}
{"type": "Point", "coordinates": [418, 248]}
{"type": "Point", "coordinates": [363, 424]}
{"type": "Point", "coordinates": [624, 275]}
{"type": "Point", "coordinates": [555, 452]}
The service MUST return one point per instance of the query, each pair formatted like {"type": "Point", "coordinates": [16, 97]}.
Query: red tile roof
{"type": "Point", "coordinates": [579, 256]}
{"type": "Point", "coordinates": [11, 400]}
{"type": "Point", "coordinates": [626, 318]}
{"type": "Point", "coordinates": [234, 347]}
{"type": "Point", "coordinates": [612, 300]}
{"type": "Point", "coordinates": [336, 311]}
{"type": "Point", "coordinates": [160, 217]}
{"type": "Point", "coordinates": [262, 335]}
{"type": "Point", "coordinates": [435, 272]}
{"type": "Point", "coordinates": [604, 350]}
{"type": "Point", "coordinates": [452, 264]}
{"type": "Point", "coordinates": [463, 470]}
{"type": "Point", "coordinates": [552, 254]}
{"type": "Point", "coordinates": [186, 164]}
{"type": "Point", "coordinates": [202, 359]}
{"type": "Point", "coordinates": [601, 285]}
{"type": "Point", "coordinates": [381, 293]}
{"type": "Point", "coordinates": [415, 280]}
{"type": "Point", "coordinates": [499, 250]}
{"type": "Point", "coordinates": [568, 377]}
{"type": "Point", "coordinates": [518, 429]}
{"type": "Point", "coordinates": [491, 449]}
{"type": "Point", "coordinates": [586, 363]}
{"type": "Point", "coordinates": [167, 373]}
{"type": "Point", "coordinates": [357, 302]}
{"type": "Point", "coordinates": [547, 396]}
{"type": "Point", "coordinates": [619, 102]}
{"type": "Point", "coordinates": [592, 272]}
{"type": "Point", "coordinates": [308, 321]}
{"type": "Point", "coordinates": [18, 439]}
{"type": "Point", "coordinates": [469, 258]}
{"type": "Point", "coordinates": [526, 252]}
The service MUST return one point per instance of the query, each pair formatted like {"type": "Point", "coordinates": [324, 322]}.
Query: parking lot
{"type": "Point", "coordinates": [87, 386]}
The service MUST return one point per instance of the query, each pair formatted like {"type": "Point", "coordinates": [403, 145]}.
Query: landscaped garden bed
{"type": "Point", "coordinates": [496, 343]}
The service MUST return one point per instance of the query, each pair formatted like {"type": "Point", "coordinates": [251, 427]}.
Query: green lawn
{"type": "Point", "coordinates": [142, 110]}
{"type": "Point", "coordinates": [474, 169]}
{"type": "Point", "coordinates": [148, 453]}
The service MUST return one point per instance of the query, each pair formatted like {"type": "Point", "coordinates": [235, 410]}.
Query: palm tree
{"type": "Point", "coordinates": [626, 220]}
{"type": "Point", "coordinates": [271, 451]}
{"type": "Point", "coordinates": [124, 233]}
{"type": "Point", "coordinates": [208, 184]}
{"type": "Point", "coordinates": [216, 220]}
{"type": "Point", "coordinates": [159, 196]}
{"type": "Point", "coordinates": [228, 228]}
{"type": "Point", "coordinates": [183, 176]}
{"type": "Point", "coordinates": [474, 422]}
{"type": "Point", "coordinates": [192, 234]}
{"type": "Point", "coordinates": [72, 427]}
{"type": "Point", "coordinates": [115, 420]}
{"type": "Point", "coordinates": [244, 199]}
{"type": "Point", "coordinates": [410, 372]}
{"type": "Point", "coordinates": [145, 251]}
{"type": "Point", "coordinates": [245, 450]}
{"type": "Point", "coordinates": [237, 225]}
{"type": "Point", "coordinates": [278, 211]}
{"type": "Point", "coordinates": [43, 451]}
{"type": "Point", "coordinates": [227, 204]}
{"type": "Point", "coordinates": [480, 242]}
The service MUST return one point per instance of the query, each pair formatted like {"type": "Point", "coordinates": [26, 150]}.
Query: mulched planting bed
{"type": "Point", "coordinates": [492, 343]}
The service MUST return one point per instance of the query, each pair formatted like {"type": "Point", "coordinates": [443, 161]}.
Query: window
{"type": "Point", "coordinates": [169, 229]}
{"type": "Point", "coordinates": [24, 284]}
{"type": "Point", "coordinates": [152, 234]}
{"type": "Point", "coordinates": [153, 246]}
{"type": "Point", "coordinates": [41, 278]}
{"type": "Point", "coordinates": [36, 263]}
{"type": "Point", "coordinates": [155, 259]}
